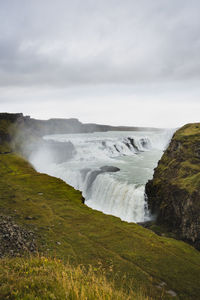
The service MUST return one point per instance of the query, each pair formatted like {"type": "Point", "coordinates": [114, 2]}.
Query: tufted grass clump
{"type": "Point", "coordinates": [47, 278]}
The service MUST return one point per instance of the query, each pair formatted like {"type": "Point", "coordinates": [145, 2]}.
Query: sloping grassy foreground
{"type": "Point", "coordinates": [130, 255]}
{"type": "Point", "coordinates": [45, 278]}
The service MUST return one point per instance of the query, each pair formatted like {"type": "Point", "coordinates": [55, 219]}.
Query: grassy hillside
{"type": "Point", "coordinates": [69, 230]}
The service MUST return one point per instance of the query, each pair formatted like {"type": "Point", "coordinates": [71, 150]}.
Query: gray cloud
{"type": "Point", "coordinates": [63, 43]}
{"type": "Point", "coordinates": [118, 62]}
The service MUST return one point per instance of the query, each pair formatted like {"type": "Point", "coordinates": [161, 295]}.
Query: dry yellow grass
{"type": "Point", "coordinates": [46, 278]}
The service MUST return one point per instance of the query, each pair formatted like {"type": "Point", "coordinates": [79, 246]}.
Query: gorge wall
{"type": "Point", "coordinates": [174, 192]}
{"type": "Point", "coordinates": [60, 126]}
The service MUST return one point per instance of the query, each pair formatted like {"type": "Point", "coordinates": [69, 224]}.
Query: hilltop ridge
{"type": "Point", "coordinates": [71, 125]}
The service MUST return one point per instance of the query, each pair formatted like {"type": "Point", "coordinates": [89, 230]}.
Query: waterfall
{"type": "Point", "coordinates": [110, 168]}
{"type": "Point", "coordinates": [119, 199]}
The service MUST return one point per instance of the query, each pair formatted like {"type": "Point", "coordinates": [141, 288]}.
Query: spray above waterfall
{"type": "Point", "coordinates": [110, 168]}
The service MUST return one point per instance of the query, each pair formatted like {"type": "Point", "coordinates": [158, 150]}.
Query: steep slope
{"type": "Point", "coordinates": [174, 192]}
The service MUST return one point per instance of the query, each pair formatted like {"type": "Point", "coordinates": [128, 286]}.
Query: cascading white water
{"type": "Point", "coordinates": [119, 199]}
{"type": "Point", "coordinates": [110, 168]}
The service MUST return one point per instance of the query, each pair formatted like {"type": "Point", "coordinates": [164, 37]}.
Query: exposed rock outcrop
{"type": "Point", "coordinates": [6, 133]}
{"type": "Point", "coordinates": [174, 192]}
{"type": "Point", "coordinates": [93, 175]}
{"type": "Point", "coordinates": [14, 240]}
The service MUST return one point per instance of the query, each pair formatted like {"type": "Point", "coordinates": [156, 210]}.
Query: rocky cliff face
{"type": "Point", "coordinates": [6, 122]}
{"type": "Point", "coordinates": [174, 192]}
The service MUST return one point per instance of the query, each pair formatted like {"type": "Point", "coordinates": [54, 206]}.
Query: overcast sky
{"type": "Point", "coordinates": [117, 62]}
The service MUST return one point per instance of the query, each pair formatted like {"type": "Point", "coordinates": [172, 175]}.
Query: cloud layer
{"type": "Point", "coordinates": [78, 42]}
{"type": "Point", "coordinates": [69, 45]}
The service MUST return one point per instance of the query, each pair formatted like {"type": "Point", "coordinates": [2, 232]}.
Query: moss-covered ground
{"type": "Point", "coordinates": [65, 228]}
{"type": "Point", "coordinates": [183, 168]}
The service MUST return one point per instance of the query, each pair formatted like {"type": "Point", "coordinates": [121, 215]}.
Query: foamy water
{"type": "Point", "coordinates": [119, 193]}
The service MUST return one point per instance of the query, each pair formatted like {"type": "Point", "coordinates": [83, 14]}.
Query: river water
{"type": "Point", "coordinates": [110, 168]}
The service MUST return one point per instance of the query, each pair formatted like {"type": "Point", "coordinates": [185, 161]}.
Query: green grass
{"type": "Point", "coordinates": [181, 166]}
{"type": "Point", "coordinates": [188, 130]}
{"type": "Point", "coordinates": [71, 231]}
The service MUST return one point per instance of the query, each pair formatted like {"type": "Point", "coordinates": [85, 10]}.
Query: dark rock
{"type": "Point", "coordinates": [29, 218]}
{"type": "Point", "coordinates": [146, 224]}
{"type": "Point", "coordinates": [116, 148]}
{"type": "Point", "coordinates": [132, 142]}
{"type": "Point", "coordinates": [91, 178]}
{"type": "Point", "coordinates": [109, 169]}
{"type": "Point", "coordinates": [14, 240]}
{"type": "Point", "coordinates": [10, 117]}
{"type": "Point", "coordinates": [174, 192]}
{"type": "Point", "coordinates": [93, 174]}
